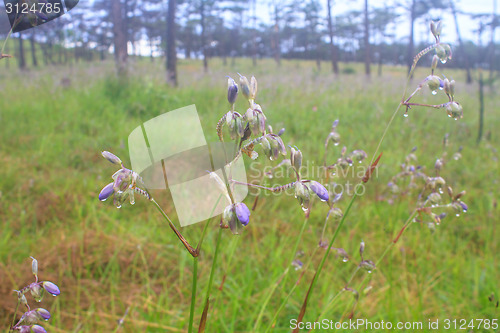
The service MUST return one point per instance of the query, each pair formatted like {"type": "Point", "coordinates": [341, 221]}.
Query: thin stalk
{"type": "Point", "coordinates": [14, 316]}
{"type": "Point", "coordinates": [188, 247]}
{"type": "Point", "coordinates": [193, 293]}
{"type": "Point", "coordinates": [285, 275]}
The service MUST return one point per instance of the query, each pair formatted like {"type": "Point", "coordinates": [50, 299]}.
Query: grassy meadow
{"type": "Point", "coordinates": [55, 121]}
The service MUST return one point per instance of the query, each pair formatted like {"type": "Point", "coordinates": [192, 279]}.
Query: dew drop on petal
{"type": "Point", "coordinates": [434, 92]}
{"type": "Point", "coordinates": [405, 115]}
{"type": "Point", "coordinates": [369, 272]}
{"type": "Point", "coordinates": [304, 208]}
{"type": "Point", "coordinates": [345, 259]}
{"type": "Point", "coordinates": [443, 61]}
{"type": "Point", "coordinates": [336, 143]}
{"type": "Point", "coordinates": [457, 215]}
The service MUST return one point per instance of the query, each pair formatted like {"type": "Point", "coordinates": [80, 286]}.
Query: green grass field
{"type": "Point", "coordinates": [108, 260]}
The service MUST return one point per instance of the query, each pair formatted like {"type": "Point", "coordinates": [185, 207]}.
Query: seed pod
{"type": "Point", "coordinates": [434, 198]}
{"type": "Point", "coordinates": [368, 265]}
{"type": "Point", "coordinates": [361, 249]}
{"type": "Point", "coordinates": [446, 87]}
{"type": "Point", "coordinates": [452, 87]}
{"type": "Point", "coordinates": [336, 213]}
{"type": "Point", "coordinates": [434, 83]}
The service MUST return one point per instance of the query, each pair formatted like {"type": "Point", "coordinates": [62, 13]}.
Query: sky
{"type": "Point", "coordinates": [467, 25]}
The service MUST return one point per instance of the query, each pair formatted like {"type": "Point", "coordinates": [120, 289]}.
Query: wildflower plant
{"type": "Point", "coordinates": [253, 138]}
{"type": "Point", "coordinates": [31, 318]}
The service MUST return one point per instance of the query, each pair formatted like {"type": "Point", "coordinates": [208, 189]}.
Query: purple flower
{"type": "Point", "coordinates": [23, 329]}
{"type": "Point", "coordinates": [463, 205]}
{"type": "Point", "coordinates": [242, 213]}
{"type": "Point", "coordinates": [320, 190]}
{"type": "Point", "coordinates": [232, 91]}
{"type": "Point", "coordinates": [38, 329]}
{"type": "Point", "coordinates": [51, 288]}
{"type": "Point", "coordinates": [111, 157]}
{"type": "Point", "coordinates": [106, 192]}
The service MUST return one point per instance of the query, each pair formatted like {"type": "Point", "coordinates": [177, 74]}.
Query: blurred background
{"type": "Point", "coordinates": [79, 84]}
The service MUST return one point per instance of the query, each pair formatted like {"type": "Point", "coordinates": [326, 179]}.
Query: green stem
{"type": "Point", "coordinates": [214, 262]}
{"type": "Point", "coordinates": [193, 294]}
{"type": "Point", "coordinates": [14, 317]}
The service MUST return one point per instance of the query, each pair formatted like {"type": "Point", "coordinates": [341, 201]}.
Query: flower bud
{"type": "Point", "coordinates": [463, 205]}
{"type": "Point", "coordinates": [446, 86]}
{"type": "Point", "coordinates": [232, 91]}
{"type": "Point", "coordinates": [51, 288]}
{"type": "Point", "coordinates": [38, 329]}
{"type": "Point", "coordinates": [438, 165]}
{"type": "Point", "coordinates": [441, 53]}
{"type": "Point", "coordinates": [34, 266]}
{"type": "Point", "coordinates": [229, 218]}
{"type": "Point", "coordinates": [30, 317]}
{"type": "Point", "coordinates": [296, 158]}
{"type": "Point", "coordinates": [454, 110]}
{"type": "Point", "coordinates": [111, 157]}
{"type": "Point", "coordinates": [361, 249]}
{"type": "Point", "coordinates": [106, 192]}
{"type": "Point", "coordinates": [266, 146]}
{"type": "Point", "coordinates": [242, 213]}
{"type": "Point", "coordinates": [436, 28]}
{"type": "Point", "coordinates": [333, 137]}
{"type": "Point", "coordinates": [23, 329]}
{"type": "Point", "coordinates": [320, 190]}
{"type": "Point", "coordinates": [434, 63]}
{"type": "Point", "coordinates": [44, 314]}
{"type": "Point", "coordinates": [253, 87]}
{"type": "Point", "coordinates": [452, 87]}
{"type": "Point", "coordinates": [245, 86]}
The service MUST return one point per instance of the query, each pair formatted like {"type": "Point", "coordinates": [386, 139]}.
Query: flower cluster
{"type": "Point", "coordinates": [125, 183]}
{"type": "Point", "coordinates": [434, 82]}
{"type": "Point", "coordinates": [30, 319]}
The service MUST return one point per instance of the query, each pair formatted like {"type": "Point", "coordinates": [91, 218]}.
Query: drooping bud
{"type": "Point", "coordinates": [229, 218]}
{"type": "Point", "coordinates": [464, 206]}
{"type": "Point", "coordinates": [302, 194]}
{"type": "Point", "coordinates": [51, 288]}
{"type": "Point", "coordinates": [454, 110]}
{"type": "Point", "coordinates": [36, 291]}
{"type": "Point", "coordinates": [434, 83]}
{"type": "Point", "coordinates": [452, 88]}
{"type": "Point", "coordinates": [245, 86]}
{"type": "Point", "coordinates": [111, 157]}
{"type": "Point", "coordinates": [30, 317]}
{"type": "Point", "coordinates": [438, 165]}
{"type": "Point", "coordinates": [242, 213]}
{"type": "Point", "coordinates": [358, 155]}
{"type": "Point", "coordinates": [106, 192]}
{"type": "Point", "coordinates": [232, 91]}
{"type": "Point", "coordinates": [320, 190]}
{"type": "Point", "coordinates": [368, 265]}
{"type": "Point", "coordinates": [434, 198]}
{"type": "Point", "coordinates": [44, 314]}
{"type": "Point", "coordinates": [253, 87]}
{"type": "Point", "coordinates": [446, 87]}
{"type": "Point", "coordinates": [38, 329]}
{"type": "Point", "coordinates": [336, 213]}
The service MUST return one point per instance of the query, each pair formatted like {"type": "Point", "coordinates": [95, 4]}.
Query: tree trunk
{"type": "Point", "coordinates": [277, 45]}
{"type": "Point", "coordinates": [254, 34]}
{"type": "Point", "coordinates": [410, 43]}
{"type": "Point", "coordinates": [460, 43]}
{"type": "Point", "coordinates": [492, 42]}
{"type": "Point", "coordinates": [367, 41]}
{"type": "Point", "coordinates": [119, 37]}
{"type": "Point", "coordinates": [333, 49]}
{"type": "Point", "coordinates": [171, 51]}
{"type": "Point", "coordinates": [203, 37]}
{"type": "Point", "coordinates": [33, 49]}
{"type": "Point", "coordinates": [22, 60]}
